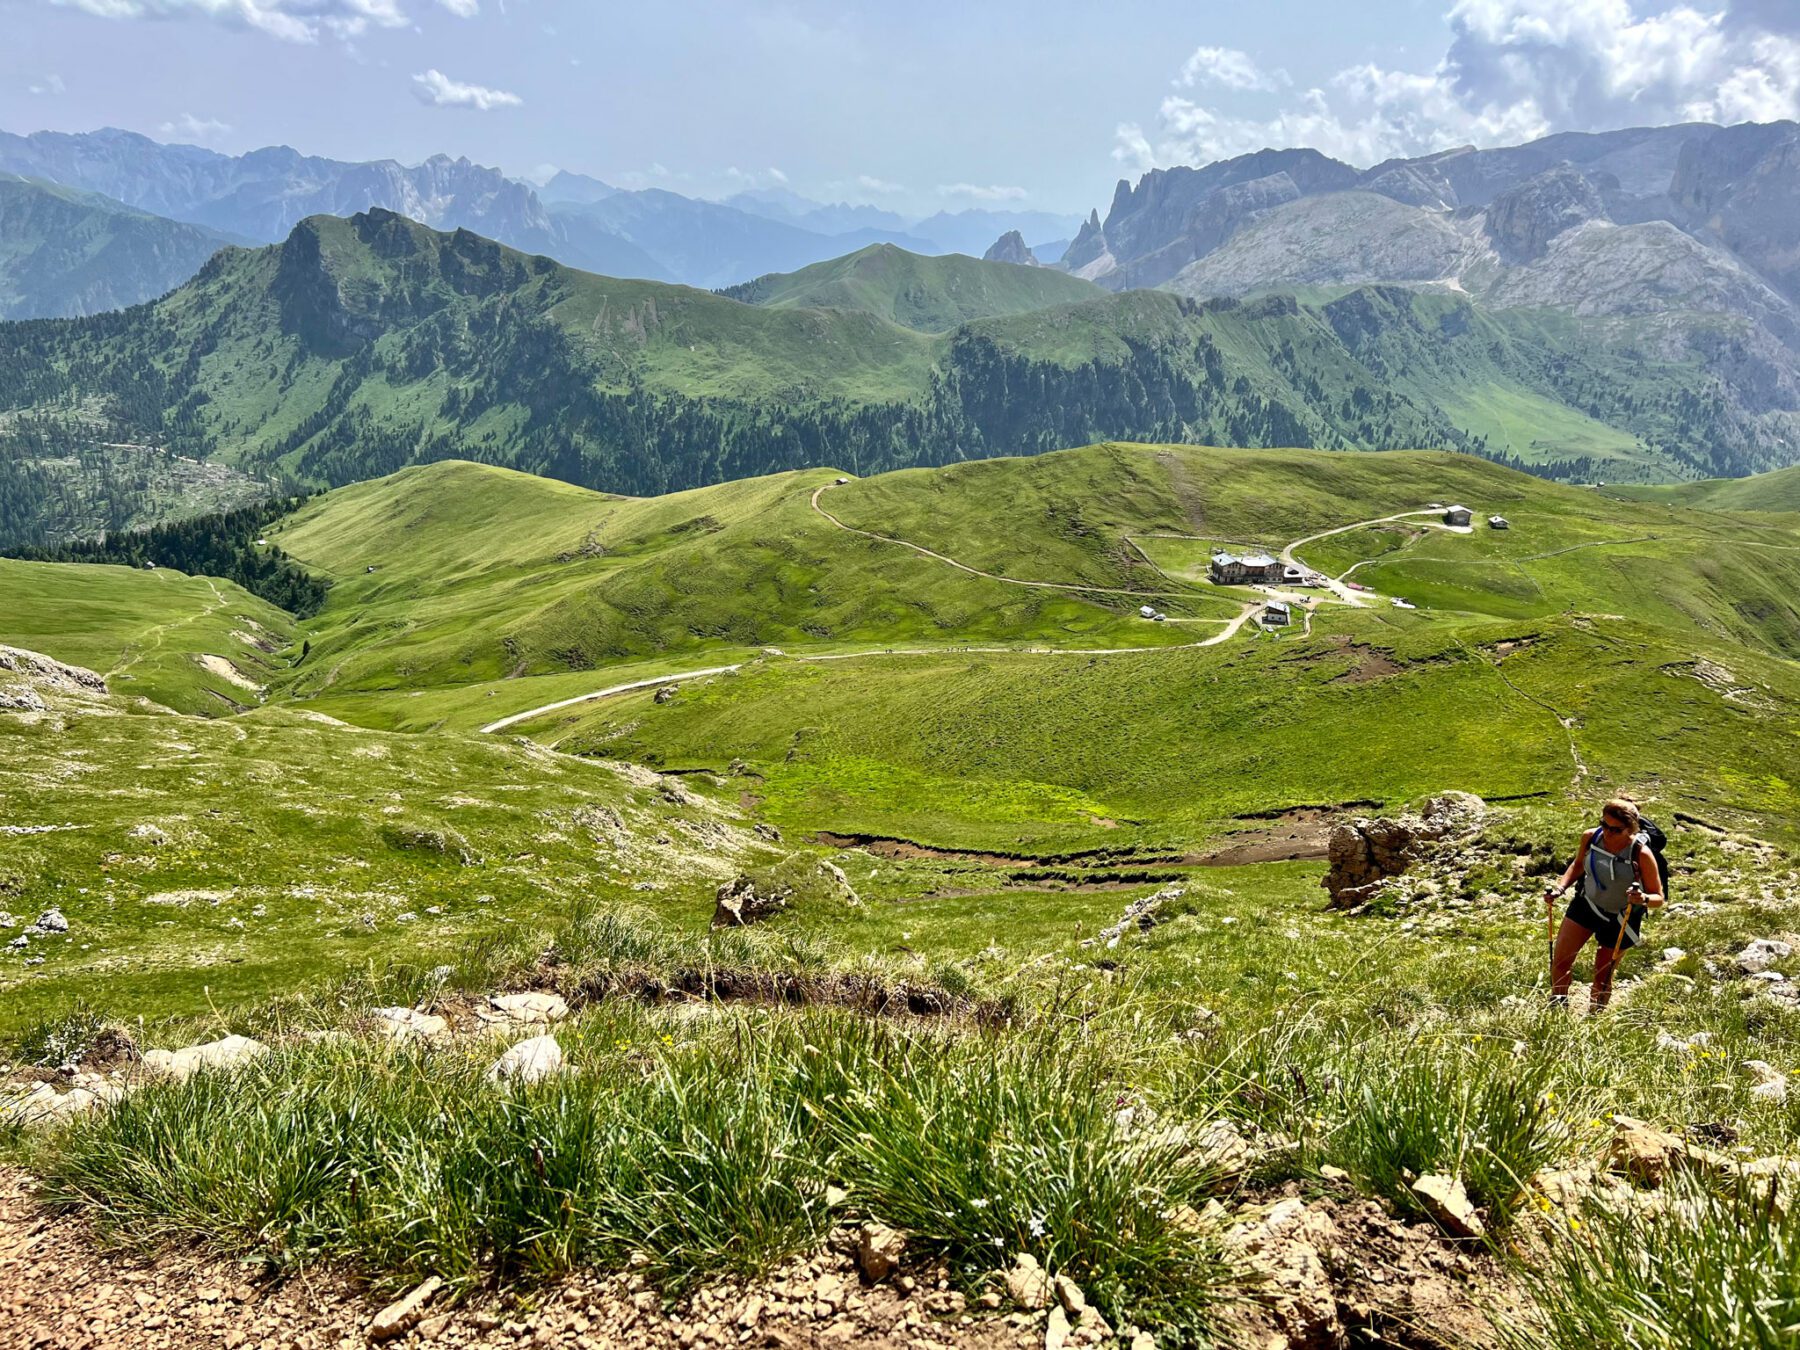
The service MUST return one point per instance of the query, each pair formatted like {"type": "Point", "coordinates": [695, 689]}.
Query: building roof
{"type": "Point", "coordinates": [1278, 605]}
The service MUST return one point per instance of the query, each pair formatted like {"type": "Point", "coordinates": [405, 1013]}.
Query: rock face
{"type": "Point", "coordinates": [1011, 248]}
{"type": "Point", "coordinates": [44, 673]}
{"type": "Point", "coordinates": [531, 1009]}
{"type": "Point", "coordinates": [402, 1023]}
{"type": "Point", "coordinates": [1521, 222]}
{"type": "Point", "coordinates": [1365, 852]}
{"type": "Point", "coordinates": [741, 904]}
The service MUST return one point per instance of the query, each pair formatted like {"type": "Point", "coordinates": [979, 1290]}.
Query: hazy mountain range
{"type": "Point", "coordinates": [581, 221]}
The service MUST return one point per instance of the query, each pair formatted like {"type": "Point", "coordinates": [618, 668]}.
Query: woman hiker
{"type": "Point", "coordinates": [1618, 872]}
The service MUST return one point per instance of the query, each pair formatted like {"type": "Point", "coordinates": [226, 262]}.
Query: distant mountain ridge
{"type": "Point", "coordinates": [579, 220]}
{"type": "Point", "coordinates": [1683, 238]}
{"type": "Point", "coordinates": [65, 253]}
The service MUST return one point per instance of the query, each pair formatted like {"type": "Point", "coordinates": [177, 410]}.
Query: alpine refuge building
{"type": "Point", "coordinates": [1458, 515]}
{"type": "Point", "coordinates": [1498, 523]}
{"type": "Point", "coordinates": [1228, 569]}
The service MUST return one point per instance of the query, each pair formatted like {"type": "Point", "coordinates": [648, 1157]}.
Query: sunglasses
{"type": "Point", "coordinates": [1610, 824]}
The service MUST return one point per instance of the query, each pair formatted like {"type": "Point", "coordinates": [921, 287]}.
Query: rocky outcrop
{"type": "Point", "coordinates": [1011, 248]}
{"type": "Point", "coordinates": [41, 674]}
{"type": "Point", "coordinates": [1522, 221]}
{"type": "Point", "coordinates": [529, 1061]}
{"type": "Point", "coordinates": [1364, 852]}
{"type": "Point", "coordinates": [740, 903]}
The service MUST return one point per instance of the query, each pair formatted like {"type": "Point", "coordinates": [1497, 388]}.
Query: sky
{"type": "Point", "coordinates": [918, 107]}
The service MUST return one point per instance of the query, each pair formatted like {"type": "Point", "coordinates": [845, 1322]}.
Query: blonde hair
{"type": "Point", "coordinates": [1625, 809]}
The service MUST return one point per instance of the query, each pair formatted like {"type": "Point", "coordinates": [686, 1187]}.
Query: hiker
{"type": "Point", "coordinates": [1618, 871]}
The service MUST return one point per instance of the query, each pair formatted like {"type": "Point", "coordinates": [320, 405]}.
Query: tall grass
{"type": "Point", "coordinates": [708, 1154]}
{"type": "Point", "coordinates": [1699, 1269]}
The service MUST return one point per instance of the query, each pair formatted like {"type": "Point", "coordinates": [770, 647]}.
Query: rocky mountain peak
{"type": "Point", "coordinates": [1011, 248]}
{"type": "Point", "coordinates": [1523, 220]}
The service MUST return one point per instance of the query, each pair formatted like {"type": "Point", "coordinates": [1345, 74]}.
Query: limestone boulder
{"type": "Point", "coordinates": [740, 903]}
{"type": "Point", "coordinates": [224, 1055]}
{"type": "Point", "coordinates": [530, 1061]}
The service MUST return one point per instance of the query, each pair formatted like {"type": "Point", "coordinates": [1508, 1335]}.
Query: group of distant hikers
{"type": "Point", "coordinates": [1618, 874]}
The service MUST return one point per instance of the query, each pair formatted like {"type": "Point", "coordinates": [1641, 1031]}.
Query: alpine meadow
{"type": "Point", "coordinates": [658, 753]}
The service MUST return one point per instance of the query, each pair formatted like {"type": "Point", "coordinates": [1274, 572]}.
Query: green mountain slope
{"type": "Point", "coordinates": [957, 709]}
{"type": "Point", "coordinates": [194, 644]}
{"type": "Point", "coordinates": [359, 346]}
{"type": "Point", "coordinates": [927, 294]}
{"type": "Point", "coordinates": [1777, 490]}
{"type": "Point", "coordinates": [65, 252]}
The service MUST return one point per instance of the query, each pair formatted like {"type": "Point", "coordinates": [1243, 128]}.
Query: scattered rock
{"type": "Point", "coordinates": [403, 1023]}
{"type": "Point", "coordinates": [50, 921]}
{"type": "Point", "coordinates": [1648, 1155]}
{"type": "Point", "coordinates": [424, 839]}
{"type": "Point", "coordinates": [837, 877]}
{"type": "Point", "coordinates": [1285, 1246]}
{"type": "Point", "coordinates": [224, 1055]}
{"type": "Point", "coordinates": [402, 1315]}
{"type": "Point", "coordinates": [533, 1009]}
{"type": "Point", "coordinates": [1027, 1283]}
{"type": "Point", "coordinates": [1771, 1083]}
{"type": "Point", "coordinates": [1069, 1294]}
{"type": "Point", "coordinates": [1699, 1040]}
{"type": "Point", "coordinates": [766, 831]}
{"type": "Point", "coordinates": [1056, 1331]}
{"type": "Point", "coordinates": [741, 904]}
{"type": "Point", "coordinates": [1142, 914]}
{"type": "Point", "coordinates": [667, 693]}
{"type": "Point", "coordinates": [878, 1251]}
{"type": "Point", "coordinates": [1762, 953]}
{"type": "Point", "coordinates": [530, 1061]}
{"type": "Point", "coordinates": [1447, 1202]}
{"type": "Point", "coordinates": [1670, 955]}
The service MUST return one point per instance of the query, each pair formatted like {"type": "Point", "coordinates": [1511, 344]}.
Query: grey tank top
{"type": "Point", "coordinates": [1610, 875]}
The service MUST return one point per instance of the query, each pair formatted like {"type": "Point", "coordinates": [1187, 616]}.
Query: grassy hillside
{"type": "Point", "coordinates": [928, 294]}
{"type": "Point", "coordinates": [492, 594]}
{"type": "Point", "coordinates": [65, 252]}
{"type": "Point", "coordinates": [1775, 491]}
{"type": "Point", "coordinates": [1001, 799]}
{"type": "Point", "coordinates": [360, 346]}
{"type": "Point", "coordinates": [194, 644]}
{"type": "Point", "coordinates": [456, 573]}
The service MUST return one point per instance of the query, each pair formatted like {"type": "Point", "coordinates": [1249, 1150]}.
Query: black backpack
{"type": "Point", "coordinates": [1656, 841]}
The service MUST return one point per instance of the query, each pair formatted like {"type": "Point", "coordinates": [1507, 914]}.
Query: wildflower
{"type": "Point", "coordinates": [979, 1204]}
{"type": "Point", "coordinates": [999, 1243]}
{"type": "Point", "coordinates": [1036, 1226]}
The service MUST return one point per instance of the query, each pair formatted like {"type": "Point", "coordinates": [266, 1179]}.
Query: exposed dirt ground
{"type": "Point", "coordinates": [61, 1290]}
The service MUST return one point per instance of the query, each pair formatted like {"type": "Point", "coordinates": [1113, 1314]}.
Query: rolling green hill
{"type": "Point", "coordinates": [360, 346]}
{"type": "Point", "coordinates": [1775, 491]}
{"type": "Point", "coordinates": [194, 644]}
{"type": "Point", "coordinates": [927, 294]}
{"type": "Point", "coordinates": [962, 710]}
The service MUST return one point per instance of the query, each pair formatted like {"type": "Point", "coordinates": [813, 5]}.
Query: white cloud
{"type": "Point", "coordinates": [49, 84]}
{"type": "Point", "coordinates": [439, 90]}
{"type": "Point", "coordinates": [289, 20]}
{"type": "Point", "coordinates": [975, 192]}
{"type": "Point", "coordinates": [870, 183]}
{"type": "Point", "coordinates": [756, 178]}
{"type": "Point", "coordinates": [195, 130]}
{"type": "Point", "coordinates": [1513, 70]}
{"type": "Point", "coordinates": [463, 9]}
{"type": "Point", "coordinates": [1228, 68]}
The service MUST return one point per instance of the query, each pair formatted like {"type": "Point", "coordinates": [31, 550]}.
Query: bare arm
{"type": "Point", "coordinates": [1649, 883]}
{"type": "Point", "coordinates": [1574, 868]}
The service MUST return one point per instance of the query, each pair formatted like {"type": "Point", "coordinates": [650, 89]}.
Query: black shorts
{"type": "Point", "coordinates": [1603, 928]}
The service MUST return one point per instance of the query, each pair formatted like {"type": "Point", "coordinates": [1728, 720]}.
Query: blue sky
{"type": "Point", "coordinates": [919, 106]}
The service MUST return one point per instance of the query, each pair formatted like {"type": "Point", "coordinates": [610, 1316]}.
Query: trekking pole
{"type": "Point", "coordinates": [1550, 941]}
{"type": "Point", "coordinates": [1612, 973]}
